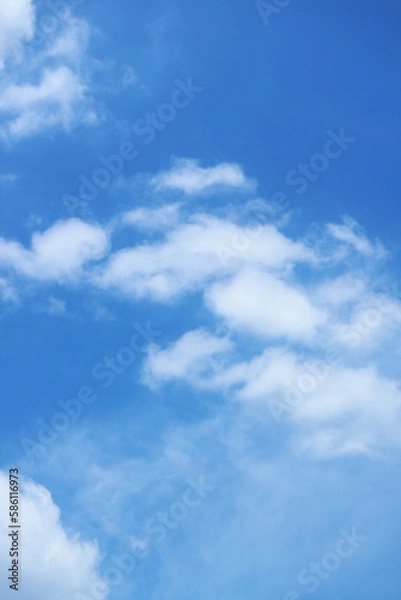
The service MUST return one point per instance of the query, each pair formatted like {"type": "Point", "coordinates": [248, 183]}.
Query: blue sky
{"type": "Point", "coordinates": [199, 302]}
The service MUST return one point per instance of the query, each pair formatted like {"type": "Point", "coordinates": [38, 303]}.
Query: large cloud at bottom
{"type": "Point", "coordinates": [53, 562]}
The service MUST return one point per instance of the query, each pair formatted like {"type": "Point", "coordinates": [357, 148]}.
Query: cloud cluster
{"type": "Point", "coordinates": [42, 88]}
{"type": "Point", "coordinates": [294, 299]}
{"type": "Point", "coordinates": [190, 255]}
{"type": "Point", "coordinates": [331, 408]}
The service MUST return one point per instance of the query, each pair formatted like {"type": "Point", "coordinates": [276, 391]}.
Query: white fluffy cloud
{"type": "Point", "coordinates": [49, 88]}
{"type": "Point", "coordinates": [187, 176]}
{"type": "Point", "coordinates": [54, 563]}
{"type": "Point", "coordinates": [331, 409]}
{"type": "Point", "coordinates": [194, 254]}
{"type": "Point", "coordinates": [351, 411]}
{"type": "Point", "coordinates": [263, 376]}
{"type": "Point", "coordinates": [17, 19]}
{"type": "Point", "coordinates": [265, 305]}
{"type": "Point", "coordinates": [192, 358]}
{"type": "Point", "coordinates": [56, 100]}
{"type": "Point", "coordinates": [58, 253]}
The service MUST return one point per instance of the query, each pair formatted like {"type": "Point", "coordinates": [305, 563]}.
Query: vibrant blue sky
{"type": "Point", "coordinates": [243, 297]}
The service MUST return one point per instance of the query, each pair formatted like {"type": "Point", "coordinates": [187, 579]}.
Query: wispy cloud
{"type": "Point", "coordinates": [187, 176]}
{"type": "Point", "coordinates": [17, 22]}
